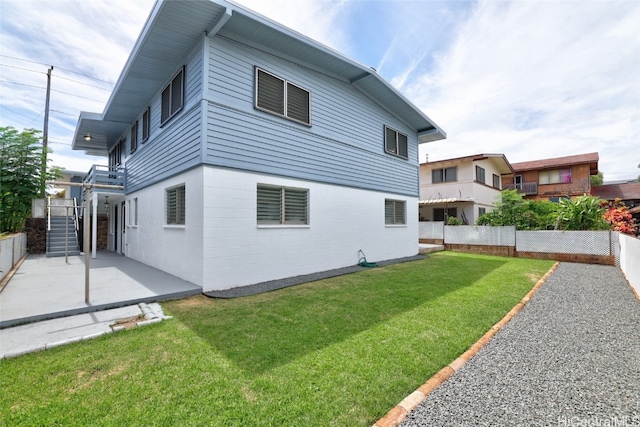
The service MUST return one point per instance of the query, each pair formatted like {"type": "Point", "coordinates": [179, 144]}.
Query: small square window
{"type": "Point", "coordinates": [395, 212]}
{"type": "Point", "coordinates": [396, 143]}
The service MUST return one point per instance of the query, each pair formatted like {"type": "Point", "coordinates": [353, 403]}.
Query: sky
{"type": "Point", "coordinates": [528, 79]}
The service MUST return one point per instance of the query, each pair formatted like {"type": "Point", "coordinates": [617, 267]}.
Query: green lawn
{"type": "Point", "coordinates": [340, 352]}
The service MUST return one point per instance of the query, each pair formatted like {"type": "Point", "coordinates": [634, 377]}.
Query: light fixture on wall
{"type": "Point", "coordinates": [87, 137]}
{"type": "Point", "coordinates": [106, 203]}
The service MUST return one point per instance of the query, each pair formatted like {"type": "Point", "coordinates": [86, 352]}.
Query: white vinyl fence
{"type": "Point", "coordinates": [480, 235]}
{"type": "Point", "coordinates": [12, 249]}
{"type": "Point", "coordinates": [431, 230]}
{"type": "Point", "coordinates": [565, 242]}
{"type": "Point", "coordinates": [630, 259]}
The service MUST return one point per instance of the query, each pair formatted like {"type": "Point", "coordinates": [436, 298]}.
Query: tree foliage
{"type": "Point", "coordinates": [512, 209]}
{"type": "Point", "coordinates": [596, 180]}
{"type": "Point", "coordinates": [582, 213]}
{"type": "Point", "coordinates": [20, 176]}
{"type": "Point", "coordinates": [620, 219]}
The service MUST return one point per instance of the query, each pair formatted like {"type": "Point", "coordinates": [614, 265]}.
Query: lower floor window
{"type": "Point", "coordinates": [175, 205]}
{"type": "Point", "coordinates": [395, 212]}
{"type": "Point", "coordinates": [282, 205]}
{"type": "Point", "coordinates": [440, 214]}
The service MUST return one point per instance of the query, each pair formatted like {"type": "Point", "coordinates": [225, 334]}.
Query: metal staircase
{"type": "Point", "coordinates": [57, 236]}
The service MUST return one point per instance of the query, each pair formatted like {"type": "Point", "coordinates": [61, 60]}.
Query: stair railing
{"type": "Point", "coordinates": [76, 222]}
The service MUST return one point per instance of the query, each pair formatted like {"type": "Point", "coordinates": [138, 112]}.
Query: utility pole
{"type": "Point", "coordinates": [45, 135]}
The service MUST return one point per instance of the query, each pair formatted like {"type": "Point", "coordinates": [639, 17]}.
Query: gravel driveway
{"type": "Point", "coordinates": [571, 357]}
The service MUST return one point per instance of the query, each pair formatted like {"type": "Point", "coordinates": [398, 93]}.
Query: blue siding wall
{"type": "Point", "coordinates": [344, 145]}
{"type": "Point", "coordinates": [176, 146]}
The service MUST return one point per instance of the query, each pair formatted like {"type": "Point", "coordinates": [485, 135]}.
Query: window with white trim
{"type": "Point", "coordinates": [480, 174]}
{"type": "Point", "coordinates": [172, 97]}
{"type": "Point", "coordinates": [281, 97]}
{"type": "Point", "coordinates": [282, 205]}
{"type": "Point", "coordinates": [395, 212]}
{"type": "Point", "coordinates": [146, 124]}
{"type": "Point", "coordinates": [496, 181]}
{"type": "Point", "coordinates": [134, 136]}
{"type": "Point", "coordinates": [175, 205]}
{"type": "Point", "coordinates": [444, 175]}
{"type": "Point", "coordinates": [396, 143]}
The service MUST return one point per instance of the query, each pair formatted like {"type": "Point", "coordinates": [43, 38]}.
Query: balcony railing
{"type": "Point", "coordinates": [99, 174]}
{"type": "Point", "coordinates": [526, 188]}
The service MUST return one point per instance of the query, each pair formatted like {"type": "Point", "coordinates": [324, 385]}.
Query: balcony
{"type": "Point", "coordinates": [104, 175]}
{"type": "Point", "coordinates": [527, 188]}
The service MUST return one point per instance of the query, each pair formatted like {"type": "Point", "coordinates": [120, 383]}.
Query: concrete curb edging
{"type": "Point", "coordinates": [150, 313]}
{"type": "Point", "coordinates": [398, 414]}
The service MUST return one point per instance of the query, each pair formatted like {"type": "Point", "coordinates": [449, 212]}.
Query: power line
{"type": "Point", "coordinates": [82, 83]}
{"type": "Point", "coordinates": [22, 84]}
{"type": "Point", "coordinates": [58, 67]}
{"type": "Point", "coordinates": [36, 118]}
{"type": "Point", "coordinates": [21, 68]}
{"type": "Point", "coordinates": [77, 96]}
{"type": "Point", "coordinates": [63, 112]}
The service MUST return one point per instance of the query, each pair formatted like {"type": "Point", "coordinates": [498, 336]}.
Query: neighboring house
{"type": "Point", "coordinates": [249, 152]}
{"type": "Point", "coordinates": [628, 193]}
{"type": "Point", "coordinates": [554, 178]}
{"type": "Point", "coordinates": [464, 187]}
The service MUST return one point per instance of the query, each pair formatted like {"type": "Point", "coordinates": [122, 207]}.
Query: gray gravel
{"type": "Point", "coordinates": [571, 357]}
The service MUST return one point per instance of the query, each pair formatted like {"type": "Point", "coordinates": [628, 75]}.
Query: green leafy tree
{"type": "Point", "coordinates": [582, 213]}
{"type": "Point", "coordinates": [20, 176]}
{"type": "Point", "coordinates": [596, 180]}
{"type": "Point", "coordinates": [509, 209]}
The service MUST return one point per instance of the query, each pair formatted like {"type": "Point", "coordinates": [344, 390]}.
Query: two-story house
{"type": "Point", "coordinates": [464, 187]}
{"type": "Point", "coordinates": [249, 152]}
{"type": "Point", "coordinates": [554, 178]}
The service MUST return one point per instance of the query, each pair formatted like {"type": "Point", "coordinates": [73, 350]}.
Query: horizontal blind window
{"type": "Point", "coordinates": [395, 212]}
{"type": "Point", "coordinates": [176, 205]}
{"type": "Point", "coordinates": [282, 205]}
{"type": "Point", "coordinates": [269, 205]}
{"type": "Point", "coordinates": [270, 93]}
{"type": "Point", "coordinates": [396, 143]}
{"type": "Point", "coordinates": [297, 103]}
{"type": "Point", "coordinates": [295, 206]}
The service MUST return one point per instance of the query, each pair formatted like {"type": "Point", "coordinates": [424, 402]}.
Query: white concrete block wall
{"type": "Point", "coordinates": [630, 259]}
{"type": "Point", "coordinates": [12, 249]}
{"type": "Point", "coordinates": [178, 250]}
{"type": "Point", "coordinates": [236, 252]}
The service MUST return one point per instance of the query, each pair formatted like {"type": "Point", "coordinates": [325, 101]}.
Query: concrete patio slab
{"type": "Point", "coordinates": [47, 288]}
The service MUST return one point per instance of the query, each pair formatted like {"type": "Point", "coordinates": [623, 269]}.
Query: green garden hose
{"type": "Point", "coordinates": [362, 261]}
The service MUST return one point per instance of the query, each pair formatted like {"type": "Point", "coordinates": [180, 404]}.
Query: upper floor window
{"type": "Point", "coordinates": [395, 212]}
{"type": "Point", "coordinates": [278, 96]}
{"type": "Point", "coordinates": [282, 205]}
{"type": "Point", "coordinates": [175, 205]}
{"type": "Point", "coordinates": [115, 155]}
{"type": "Point", "coordinates": [396, 143]}
{"type": "Point", "coordinates": [480, 174]}
{"type": "Point", "coordinates": [173, 97]}
{"type": "Point", "coordinates": [557, 176]}
{"type": "Point", "coordinates": [146, 124]}
{"type": "Point", "coordinates": [134, 136]}
{"type": "Point", "coordinates": [444, 175]}
{"type": "Point", "coordinates": [496, 181]}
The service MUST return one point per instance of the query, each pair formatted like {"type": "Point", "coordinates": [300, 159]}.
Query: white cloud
{"type": "Point", "coordinates": [539, 79]}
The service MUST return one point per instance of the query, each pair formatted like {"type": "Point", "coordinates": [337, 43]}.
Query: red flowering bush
{"type": "Point", "coordinates": [620, 219]}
